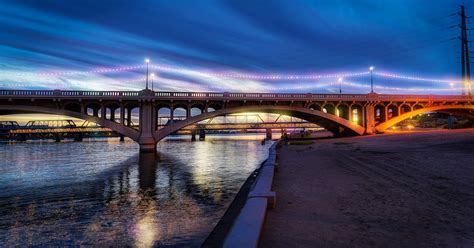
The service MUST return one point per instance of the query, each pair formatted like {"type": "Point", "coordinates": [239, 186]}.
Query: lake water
{"type": "Point", "coordinates": [102, 192]}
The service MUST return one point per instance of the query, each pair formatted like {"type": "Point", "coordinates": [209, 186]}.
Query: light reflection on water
{"type": "Point", "coordinates": [104, 193]}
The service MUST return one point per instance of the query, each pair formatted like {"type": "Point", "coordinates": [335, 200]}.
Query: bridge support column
{"type": "Point", "coordinates": [78, 137]}
{"type": "Point", "coordinates": [129, 117]}
{"type": "Point", "coordinates": [202, 134]}
{"type": "Point", "coordinates": [103, 112]}
{"type": "Point", "coordinates": [57, 137]}
{"type": "Point", "coordinates": [171, 114]}
{"type": "Point", "coordinates": [122, 138]}
{"type": "Point", "coordinates": [269, 134]}
{"type": "Point", "coordinates": [193, 135]}
{"type": "Point", "coordinates": [122, 114]}
{"type": "Point", "coordinates": [146, 140]}
{"type": "Point", "coordinates": [369, 116]}
{"type": "Point", "coordinates": [112, 114]}
{"type": "Point", "coordinates": [22, 137]}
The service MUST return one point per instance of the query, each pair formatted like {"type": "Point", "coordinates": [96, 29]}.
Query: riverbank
{"type": "Point", "coordinates": [395, 190]}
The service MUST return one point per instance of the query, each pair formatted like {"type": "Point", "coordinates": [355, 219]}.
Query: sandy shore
{"type": "Point", "coordinates": [395, 190]}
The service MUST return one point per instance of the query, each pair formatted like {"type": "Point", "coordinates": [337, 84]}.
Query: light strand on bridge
{"type": "Point", "coordinates": [311, 76]}
{"type": "Point", "coordinates": [98, 71]}
{"type": "Point", "coordinates": [72, 73]}
{"type": "Point", "coordinates": [325, 86]}
{"type": "Point", "coordinates": [236, 75]}
{"type": "Point", "coordinates": [250, 76]}
{"type": "Point", "coordinates": [414, 78]}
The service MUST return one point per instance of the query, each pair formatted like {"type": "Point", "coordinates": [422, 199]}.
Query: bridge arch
{"type": "Point", "coordinates": [405, 108]}
{"type": "Point", "coordinates": [126, 131]}
{"type": "Point", "coordinates": [213, 106]}
{"type": "Point", "coordinates": [329, 108]}
{"type": "Point", "coordinates": [383, 126]}
{"type": "Point", "coordinates": [73, 106]}
{"type": "Point", "coordinates": [357, 113]}
{"type": "Point", "coordinates": [331, 122]}
{"type": "Point", "coordinates": [315, 106]}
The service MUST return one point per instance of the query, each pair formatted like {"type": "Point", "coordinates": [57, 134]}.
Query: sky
{"type": "Point", "coordinates": [232, 45]}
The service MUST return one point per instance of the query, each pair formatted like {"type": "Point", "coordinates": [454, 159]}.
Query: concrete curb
{"type": "Point", "coordinates": [245, 231]}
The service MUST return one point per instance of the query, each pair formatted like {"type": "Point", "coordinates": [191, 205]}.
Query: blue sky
{"type": "Point", "coordinates": [46, 44]}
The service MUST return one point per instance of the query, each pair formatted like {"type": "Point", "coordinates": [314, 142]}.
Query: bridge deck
{"type": "Point", "coordinates": [224, 95]}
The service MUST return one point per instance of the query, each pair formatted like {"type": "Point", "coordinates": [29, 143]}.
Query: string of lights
{"type": "Point", "coordinates": [270, 88]}
{"type": "Point", "coordinates": [235, 75]}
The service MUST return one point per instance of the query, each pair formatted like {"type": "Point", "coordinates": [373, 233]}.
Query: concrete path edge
{"type": "Point", "coordinates": [248, 225]}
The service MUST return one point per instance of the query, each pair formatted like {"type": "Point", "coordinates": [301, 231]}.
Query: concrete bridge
{"type": "Point", "coordinates": [342, 114]}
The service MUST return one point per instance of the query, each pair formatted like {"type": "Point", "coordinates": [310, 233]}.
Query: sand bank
{"type": "Point", "coordinates": [395, 190]}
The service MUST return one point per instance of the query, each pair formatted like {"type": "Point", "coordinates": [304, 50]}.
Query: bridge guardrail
{"type": "Point", "coordinates": [227, 95]}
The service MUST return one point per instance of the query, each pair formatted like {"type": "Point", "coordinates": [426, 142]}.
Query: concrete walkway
{"type": "Point", "coordinates": [405, 190]}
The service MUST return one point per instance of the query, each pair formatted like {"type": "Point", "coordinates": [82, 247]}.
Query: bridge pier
{"type": "Point", "coordinates": [57, 137]}
{"type": "Point", "coordinates": [269, 133]}
{"type": "Point", "coordinates": [369, 116]}
{"type": "Point", "coordinates": [193, 135]}
{"type": "Point", "coordinates": [78, 137]}
{"type": "Point", "coordinates": [202, 134]}
{"type": "Point", "coordinates": [122, 138]}
{"type": "Point", "coordinates": [147, 123]}
{"type": "Point", "coordinates": [129, 116]}
{"type": "Point", "coordinates": [147, 147]}
{"type": "Point", "coordinates": [22, 137]}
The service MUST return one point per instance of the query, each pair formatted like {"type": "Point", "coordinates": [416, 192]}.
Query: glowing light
{"type": "Point", "coordinates": [355, 116]}
{"type": "Point", "coordinates": [410, 126]}
{"type": "Point", "coordinates": [412, 78]}
{"type": "Point", "coordinates": [340, 79]}
{"type": "Point", "coordinates": [451, 84]}
{"type": "Point", "coordinates": [250, 76]}
{"type": "Point", "coordinates": [235, 75]}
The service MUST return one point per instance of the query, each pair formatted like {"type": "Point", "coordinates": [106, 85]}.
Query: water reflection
{"type": "Point", "coordinates": [147, 165]}
{"type": "Point", "coordinates": [89, 197]}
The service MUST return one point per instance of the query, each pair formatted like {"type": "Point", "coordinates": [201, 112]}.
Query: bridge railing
{"type": "Point", "coordinates": [387, 97]}
{"type": "Point", "coordinates": [226, 95]}
{"type": "Point", "coordinates": [68, 93]}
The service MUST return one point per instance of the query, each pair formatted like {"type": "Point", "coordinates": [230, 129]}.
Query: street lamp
{"type": "Point", "coordinates": [371, 79]}
{"type": "Point", "coordinates": [147, 61]}
{"type": "Point", "coordinates": [152, 77]}
{"type": "Point", "coordinates": [340, 87]}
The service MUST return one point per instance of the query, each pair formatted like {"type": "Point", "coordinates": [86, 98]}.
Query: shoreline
{"type": "Point", "coordinates": [243, 221]}
{"type": "Point", "coordinates": [218, 234]}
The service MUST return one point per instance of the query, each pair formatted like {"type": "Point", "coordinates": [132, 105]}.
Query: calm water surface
{"type": "Point", "coordinates": [101, 192]}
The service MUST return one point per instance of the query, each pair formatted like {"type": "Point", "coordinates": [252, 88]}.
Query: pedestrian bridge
{"type": "Point", "coordinates": [342, 114]}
